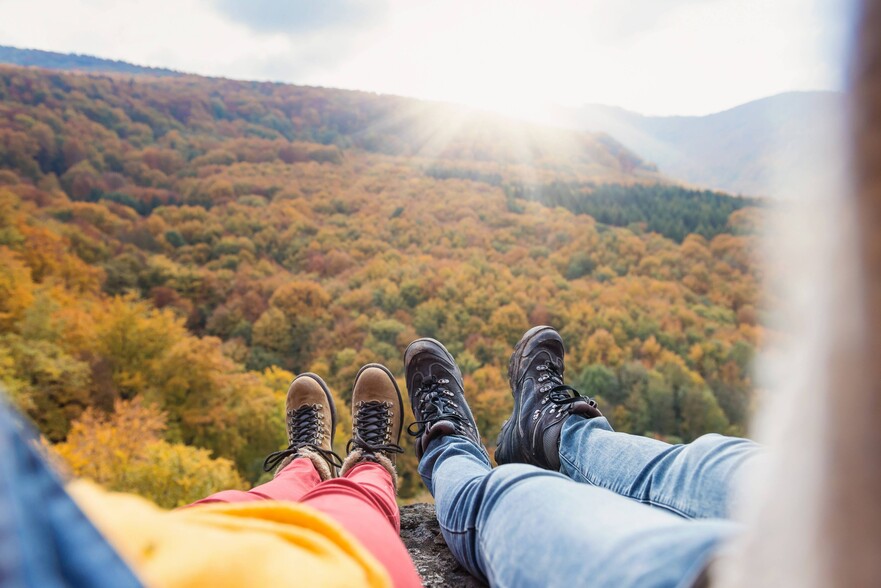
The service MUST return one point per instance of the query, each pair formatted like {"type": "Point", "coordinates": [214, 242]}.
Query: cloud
{"type": "Point", "coordinates": [311, 56]}
{"type": "Point", "coordinates": [622, 20]}
{"type": "Point", "coordinates": [302, 16]}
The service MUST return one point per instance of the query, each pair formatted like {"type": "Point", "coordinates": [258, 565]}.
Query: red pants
{"type": "Point", "coordinates": [363, 501]}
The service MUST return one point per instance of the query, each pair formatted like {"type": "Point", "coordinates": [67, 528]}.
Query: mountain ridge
{"type": "Point", "coordinates": [76, 62]}
{"type": "Point", "coordinates": [742, 150]}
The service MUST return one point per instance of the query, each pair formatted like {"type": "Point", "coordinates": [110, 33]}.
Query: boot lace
{"type": "Point", "coordinates": [436, 403]}
{"type": "Point", "coordinates": [305, 430]}
{"type": "Point", "coordinates": [373, 428]}
{"type": "Point", "coordinates": [555, 391]}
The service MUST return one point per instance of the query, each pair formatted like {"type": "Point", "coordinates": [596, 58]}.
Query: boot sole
{"type": "Point", "coordinates": [397, 390]}
{"type": "Point", "coordinates": [524, 341]}
{"type": "Point", "coordinates": [425, 344]}
{"type": "Point", "coordinates": [513, 364]}
{"type": "Point", "coordinates": [330, 401]}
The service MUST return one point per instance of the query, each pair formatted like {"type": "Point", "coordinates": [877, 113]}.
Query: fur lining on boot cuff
{"type": "Point", "coordinates": [357, 456]}
{"type": "Point", "coordinates": [325, 470]}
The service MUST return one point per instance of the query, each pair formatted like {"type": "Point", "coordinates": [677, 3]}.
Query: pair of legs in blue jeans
{"type": "Point", "coordinates": [622, 511]}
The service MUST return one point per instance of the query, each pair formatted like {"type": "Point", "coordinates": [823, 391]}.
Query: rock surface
{"type": "Point", "coordinates": [422, 536]}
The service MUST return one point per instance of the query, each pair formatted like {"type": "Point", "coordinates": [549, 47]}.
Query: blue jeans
{"type": "Point", "coordinates": [519, 525]}
{"type": "Point", "coordinates": [45, 540]}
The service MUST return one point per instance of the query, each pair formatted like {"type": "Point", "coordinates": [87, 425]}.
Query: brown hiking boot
{"type": "Point", "coordinates": [377, 419]}
{"type": "Point", "coordinates": [311, 420]}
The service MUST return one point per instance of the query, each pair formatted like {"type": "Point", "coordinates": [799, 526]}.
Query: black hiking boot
{"type": "Point", "coordinates": [437, 395]}
{"type": "Point", "coordinates": [311, 420]}
{"type": "Point", "coordinates": [377, 419]}
{"type": "Point", "coordinates": [542, 402]}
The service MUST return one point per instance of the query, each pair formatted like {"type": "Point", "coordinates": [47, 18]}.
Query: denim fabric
{"type": "Point", "coordinates": [696, 480]}
{"type": "Point", "coordinates": [45, 540]}
{"type": "Point", "coordinates": [518, 525]}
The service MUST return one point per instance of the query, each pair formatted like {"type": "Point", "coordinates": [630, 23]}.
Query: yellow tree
{"type": "Point", "coordinates": [124, 452]}
{"type": "Point", "coordinates": [16, 288]}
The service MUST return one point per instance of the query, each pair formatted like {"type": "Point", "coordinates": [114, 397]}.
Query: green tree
{"type": "Point", "coordinates": [598, 380]}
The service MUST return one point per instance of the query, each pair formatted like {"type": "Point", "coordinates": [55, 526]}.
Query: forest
{"type": "Point", "coordinates": [670, 210]}
{"type": "Point", "coordinates": [174, 250]}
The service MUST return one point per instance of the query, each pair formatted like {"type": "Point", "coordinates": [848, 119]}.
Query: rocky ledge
{"type": "Point", "coordinates": [422, 536]}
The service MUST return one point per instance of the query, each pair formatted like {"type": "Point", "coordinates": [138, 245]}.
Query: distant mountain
{"type": "Point", "coordinates": [74, 62]}
{"type": "Point", "coordinates": [742, 150]}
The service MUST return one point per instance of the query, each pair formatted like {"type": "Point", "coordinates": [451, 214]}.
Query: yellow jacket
{"type": "Point", "coordinates": [263, 543]}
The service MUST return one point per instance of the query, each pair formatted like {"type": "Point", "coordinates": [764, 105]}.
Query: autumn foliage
{"type": "Point", "coordinates": [125, 452]}
{"type": "Point", "coordinates": [173, 250]}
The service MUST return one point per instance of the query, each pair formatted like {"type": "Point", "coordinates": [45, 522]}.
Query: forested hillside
{"type": "Point", "coordinates": [173, 250]}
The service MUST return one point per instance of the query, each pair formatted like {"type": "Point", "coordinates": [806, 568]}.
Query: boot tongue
{"type": "Point", "coordinates": [585, 409]}
{"type": "Point", "coordinates": [438, 429]}
{"type": "Point", "coordinates": [551, 445]}
{"type": "Point", "coordinates": [552, 435]}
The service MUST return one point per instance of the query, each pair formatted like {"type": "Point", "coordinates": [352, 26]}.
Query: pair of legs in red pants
{"type": "Point", "coordinates": [362, 501]}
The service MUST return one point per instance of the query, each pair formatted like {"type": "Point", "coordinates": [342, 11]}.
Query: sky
{"type": "Point", "coordinates": [657, 57]}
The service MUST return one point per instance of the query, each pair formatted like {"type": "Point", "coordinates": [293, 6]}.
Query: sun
{"type": "Point", "coordinates": [505, 57]}
{"type": "Point", "coordinates": [491, 66]}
